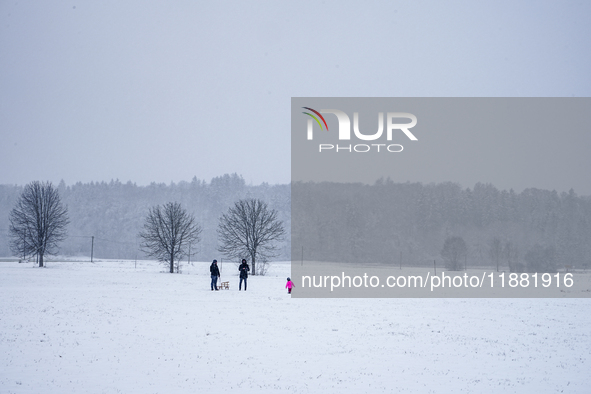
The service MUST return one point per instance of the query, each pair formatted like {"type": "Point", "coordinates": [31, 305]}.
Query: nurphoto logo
{"type": "Point", "coordinates": [344, 133]}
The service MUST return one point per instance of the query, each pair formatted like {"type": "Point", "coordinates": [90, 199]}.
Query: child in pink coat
{"type": "Point", "coordinates": [289, 285]}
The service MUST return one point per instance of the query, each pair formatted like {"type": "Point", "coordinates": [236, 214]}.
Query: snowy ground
{"type": "Point", "coordinates": [111, 328]}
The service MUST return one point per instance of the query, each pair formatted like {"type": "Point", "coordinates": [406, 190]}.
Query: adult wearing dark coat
{"type": "Point", "coordinates": [243, 269]}
{"type": "Point", "coordinates": [215, 273]}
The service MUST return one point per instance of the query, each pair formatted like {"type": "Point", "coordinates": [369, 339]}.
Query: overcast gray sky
{"type": "Point", "coordinates": [164, 91]}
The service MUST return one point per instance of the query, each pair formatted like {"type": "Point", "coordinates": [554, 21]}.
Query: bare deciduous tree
{"type": "Point", "coordinates": [38, 221]}
{"type": "Point", "coordinates": [168, 230]}
{"type": "Point", "coordinates": [454, 251]}
{"type": "Point", "coordinates": [250, 229]}
{"type": "Point", "coordinates": [510, 253]}
{"type": "Point", "coordinates": [495, 250]}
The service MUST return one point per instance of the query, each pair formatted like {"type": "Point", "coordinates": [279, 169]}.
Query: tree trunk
{"type": "Point", "coordinates": [40, 259]}
{"type": "Point", "coordinates": [172, 263]}
{"type": "Point", "coordinates": [254, 271]}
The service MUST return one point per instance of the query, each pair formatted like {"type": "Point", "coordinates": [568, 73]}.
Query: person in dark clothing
{"type": "Point", "coordinates": [243, 269]}
{"type": "Point", "coordinates": [215, 273]}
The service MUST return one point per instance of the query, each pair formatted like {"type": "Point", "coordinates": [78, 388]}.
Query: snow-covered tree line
{"type": "Point", "coordinates": [382, 223]}
{"type": "Point", "coordinates": [114, 213]}
{"type": "Point", "coordinates": [409, 222]}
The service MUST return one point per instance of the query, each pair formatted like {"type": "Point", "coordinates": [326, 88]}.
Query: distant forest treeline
{"type": "Point", "coordinates": [379, 223]}
{"type": "Point", "coordinates": [388, 222]}
{"type": "Point", "coordinates": [114, 213]}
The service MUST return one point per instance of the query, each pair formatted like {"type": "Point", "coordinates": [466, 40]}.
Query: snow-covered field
{"type": "Point", "coordinates": [109, 327]}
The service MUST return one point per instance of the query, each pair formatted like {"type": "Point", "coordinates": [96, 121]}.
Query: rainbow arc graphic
{"type": "Point", "coordinates": [315, 118]}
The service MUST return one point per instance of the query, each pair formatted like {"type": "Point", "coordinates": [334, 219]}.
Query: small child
{"type": "Point", "coordinates": [289, 285]}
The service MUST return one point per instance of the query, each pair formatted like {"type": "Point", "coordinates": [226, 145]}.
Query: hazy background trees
{"type": "Point", "coordinates": [541, 259]}
{"type": "Point", "coordinates": [38, 221]}
{"type": "Point", "coordinates": [169, 232]}
{"type": "Point", "coordinates": [251, 230]}
{"type": "Point", "coordinates": [389, 221]}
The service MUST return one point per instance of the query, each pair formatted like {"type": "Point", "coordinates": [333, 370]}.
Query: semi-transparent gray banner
{"type": "Point", "coordinates": [440, 197]}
